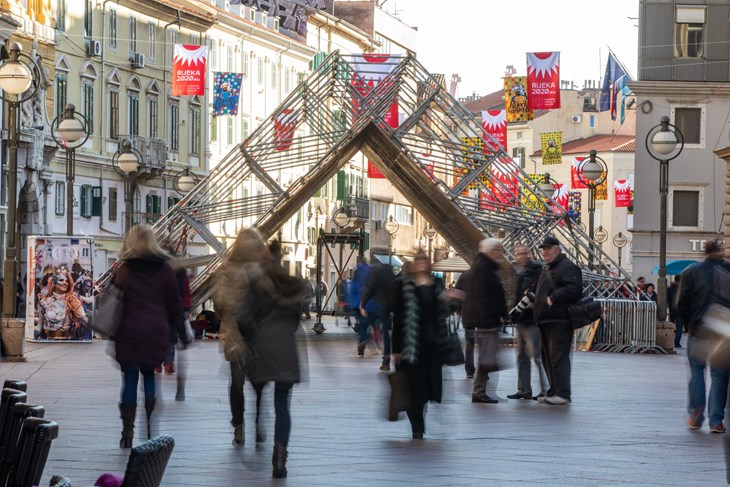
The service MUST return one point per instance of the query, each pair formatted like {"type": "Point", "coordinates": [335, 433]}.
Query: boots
{"type": "Point", "coordinates": [279, 461]}
{"type": "Point", "coordinates": [149, 407]}
{"type": "Point", "coordinates": [127, 413]}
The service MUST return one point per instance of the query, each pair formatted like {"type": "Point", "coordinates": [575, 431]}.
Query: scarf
{"type": "Point", "coordinates": [411, 323]}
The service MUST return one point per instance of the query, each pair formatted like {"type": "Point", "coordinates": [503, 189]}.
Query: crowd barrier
{"type": "Point", "coordinates": [628, 326]}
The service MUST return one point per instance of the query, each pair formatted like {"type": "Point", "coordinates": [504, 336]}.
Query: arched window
{"type": "Point", "coordinates": [113, 87]}
{"type": "Point", "coordinates": [89, 75]}
{"type": "Point", "coordinates": [133, 89]}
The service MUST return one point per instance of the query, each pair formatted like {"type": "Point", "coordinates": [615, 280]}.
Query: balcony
{"type": "Point", "coordinates": [154, 151]}
{"type": "Point", "coordinates": [359, 207]}
{"type": "Point", "coordinates": [142, 217]}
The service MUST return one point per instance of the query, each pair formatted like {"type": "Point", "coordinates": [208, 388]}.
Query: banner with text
{"type": "Point", "coordinates": [188, 70]}
{"type": "Point", "coordinates": [515, 100]}
{"type": "Point", "coordinates": [622, 193]}
{"type": "Point", "coordinates": [494, 122]}
{"type": "Point", "coordinates": [543, 80]}
{"type": "Point", "coordinates": [552, 147]}
{"type": "Point", "coordinates": [576, 173]}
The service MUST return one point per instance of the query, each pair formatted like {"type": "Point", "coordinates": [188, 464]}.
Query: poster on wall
{"type": "Point", "coordinates": [59, 288]}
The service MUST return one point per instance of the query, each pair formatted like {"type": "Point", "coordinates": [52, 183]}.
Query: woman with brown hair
{"type": "Point", "coordinates": [61, 313]}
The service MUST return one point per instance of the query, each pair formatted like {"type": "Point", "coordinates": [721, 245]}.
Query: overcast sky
{"type": "Point", "coordinates": [478, 38]}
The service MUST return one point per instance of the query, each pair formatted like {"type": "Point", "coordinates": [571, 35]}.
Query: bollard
{"type": "Point", "coordinates": [665, 335]}
{"type": "Point", "coordinates": [13, 338]}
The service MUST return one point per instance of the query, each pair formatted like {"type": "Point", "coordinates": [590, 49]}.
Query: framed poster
{"type": "Point", "coordinates": [59, 288]}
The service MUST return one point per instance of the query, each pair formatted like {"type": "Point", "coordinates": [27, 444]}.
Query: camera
{"type": "Point", "coordinates": [525, 303]}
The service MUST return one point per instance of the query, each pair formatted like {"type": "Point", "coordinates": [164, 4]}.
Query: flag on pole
{"type": "Point", "coordinates": [614, 81]}
{"type": "Point", "coordinates": [226, 90]}
{"type": "Point", "coordinates": [515, 99]}
{"type": "Point", "coordinates": [543, 80]}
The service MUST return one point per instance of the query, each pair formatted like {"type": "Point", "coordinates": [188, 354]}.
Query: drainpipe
{"type": "Point", "coordinates": [101, 217]}
{"type": "Point", "coordinates": [177, 22]}
{"type": "Point", "coordinates": [102, 145]}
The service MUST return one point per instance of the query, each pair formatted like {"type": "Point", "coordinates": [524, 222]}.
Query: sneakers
{"type": "Point", "coordinates": [557, 400]}
{"type": "Point", "coordinates": [694, 422]}
{"type": "Point", "coordinates": [717, 428]}
{"type": "Point", "coordinates": [238, 434]}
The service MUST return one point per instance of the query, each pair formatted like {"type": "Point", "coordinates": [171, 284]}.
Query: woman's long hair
{"type": "Point", "coordinates": [72, 304]}
{"type": "Point", "coordinates": [141, 240]}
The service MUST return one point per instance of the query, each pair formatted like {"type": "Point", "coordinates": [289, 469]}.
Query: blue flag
{"type": "Point", "coordinates": [614, 81]}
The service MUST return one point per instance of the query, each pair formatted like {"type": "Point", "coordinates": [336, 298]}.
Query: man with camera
{"type": "Point", "coordinates": [560, 285]}
{"type": "Point", "coordinates": [528, 334]}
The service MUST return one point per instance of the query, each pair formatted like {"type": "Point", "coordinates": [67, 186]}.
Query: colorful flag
{"type": "Point", "coordinates": [369, 70]}
{"type": "Point", "coordinates": [543, 80]}
{"type": "Point", "coordinates": [614, 81]}
{"type": "Point", "coordinates": [188, 70]}
{"type": "Point", "coordinates": [515, 100]}
{"type": "Point", "coordinates": [622, 193]}
{"type": "Point", "coordinates": [575, 173]}
{"type": "Point", "coordinates": [574, 206]}
{"type": "Point", "coordinates": [552, 147]}
{"type": "Point", "coordinates": [562, 195]}
{"type": "Point", "coordinates": [284, 126]}
{"type": "Point", "coordinates": [226, 89]}
{"type": "Point", "coordinates": [494, 122]}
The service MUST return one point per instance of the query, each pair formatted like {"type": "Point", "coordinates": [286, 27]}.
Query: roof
{"type": "Point", "coordinates": [599, 143]}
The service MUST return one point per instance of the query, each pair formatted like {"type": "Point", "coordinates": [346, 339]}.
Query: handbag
{"type": "Point", "coordinates": [584, 312]}
{"type": "Point", "coordinates": [400, 399]}
{"type": "Point", "coordinates": [452, 353]}
{"type": "Point", "coordinates": [108, 308]}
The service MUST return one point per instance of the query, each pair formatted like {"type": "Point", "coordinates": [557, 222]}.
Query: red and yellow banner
{"type": "Point", "coordinates": [494, 122]}
{"type": "Point", "coordinates": [188, 70]}
{"type": "Point", "coordinates": [543, 80]}
{"type": "Point", "coordinates": [622, 193]}
{"type": "Point", "coordinates": [515, 100]}
{"type": "Point", "coordinates": [576, 172]}
{"type": "Point", "coordinates": [602, 189]}
{"type": "Point", "coordinates": [552, 147]}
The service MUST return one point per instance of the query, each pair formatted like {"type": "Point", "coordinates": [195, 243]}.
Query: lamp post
{"type": "Point", "coordinates": [620, 241]}
{"type": "Point", "coordinates": [391, 226]}
{"type": "Point", "coordinates": [664, 142]}
{"type": "Point", "coordinates": [185, 181]}
{"type": "Point", "coordinates": [600, 235]}
{"type": "Point", "coordinates": [20, 81]}
{"type": "Point", "coordinates": [547, 185]}
{"type": "Point", "coordinates": [126, 162]}
{"type": "Point", "coordinates": [70, 131]}
{"type": "Point", "coordinates": [592, 172]}
{"type": "Point", "coordinates": [430, 234]}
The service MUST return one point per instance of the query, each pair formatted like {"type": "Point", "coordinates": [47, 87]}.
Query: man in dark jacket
{"type": "Point", "coordinates": [695, 297]}
{"type": "Point", "coordinates": [560, 285]}
{"type": "Point", "coordinates": [484, 309]}
{"type": "Point", "coordinates": [528, 334]}
{"type": "Point", "coordinates": [462, 285]}
{"type": "Point", "coordinates": [375, 305]}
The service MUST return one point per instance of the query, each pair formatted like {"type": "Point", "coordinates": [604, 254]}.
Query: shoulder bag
{"type": "Point", "coordinates": [109, 306]}
{"type": "Point", "coordinates": [584, 312]}
{"type": "Point", "coordinates": [452, 353]}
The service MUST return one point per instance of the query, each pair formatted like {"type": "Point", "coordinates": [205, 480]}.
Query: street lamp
{"type": "Point", "coordinates": [547, 185]}
{"type": "Point", "coordinates": [620, 241]}
{"type": "Point", "coordinates": [20, 81]}
{"type": "Point", "coordinates": [601, 235]}
{"type": "Point", "coordinates": [185, 181]}
{"type": "Point", "coordinates": [664, 142]}
{"type": "Point", "coordinates": [592, 172]}
{"type": "Point", "coordinates": [70, 131]}
{"type": "Point", "coordinates": [126, 162]}
{"type": "Point", "coordinates": [391, 226]}
{"type": "Point", "coordinates": [430, 234]}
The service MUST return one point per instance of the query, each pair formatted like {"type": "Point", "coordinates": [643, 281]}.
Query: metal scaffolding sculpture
{"type": "Point", "coordinates": [436, 154]}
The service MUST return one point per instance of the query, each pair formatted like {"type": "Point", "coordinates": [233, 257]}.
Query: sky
{"type": "Point", "coordinates": [478, 38]}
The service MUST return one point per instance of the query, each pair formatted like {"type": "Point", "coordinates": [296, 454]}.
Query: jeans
{"type": "Point", "coordinates": [235, 393]}
{"type": "Point", "coordinates": [130, 378]}
{"type": "Point", "coordinates": [696, 350]}
{"type": "Point", "coordinates": [486, 342]}
{"type": "Point", "coordinates": [469, 351]}
{"type": "Point", "coordinates": [678, 331]}
{"type": "Point", "coordinates": [372, 319]}
{"type": "Point", "coordinates": [718, 395]}
{"type": "Point", "coordinates": [282, 398]}
{"type": "Point", "coordinates": [556, 342]}
{"type": "Point", "coordinates": [529, 346]}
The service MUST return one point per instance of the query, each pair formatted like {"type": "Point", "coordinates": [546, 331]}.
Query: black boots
{"type": "Point", "coordinates": [149, 406]}
{"type": "Point", "coordinates": [279, 461]}
{"type": "Point", "coordinates": [127, 413]}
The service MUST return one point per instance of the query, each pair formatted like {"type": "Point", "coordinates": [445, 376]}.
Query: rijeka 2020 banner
{"type": "Point", "coordinates": [188, 70]}
{"type": "Point", "coordinates": [543, 80]}
{"type": "Point", "coordinates": [494, 122]}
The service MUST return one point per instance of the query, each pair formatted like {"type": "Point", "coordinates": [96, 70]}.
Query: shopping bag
{"type": "Point", "coordinates": [399, 394]}
{"type": "Point", "coordinates": [108, 309]}
{"type": "Point", "coordinates": [452, 353]}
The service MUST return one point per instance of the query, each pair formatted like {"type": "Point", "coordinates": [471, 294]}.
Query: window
{"type": "Point", "coordinates": [60, 197]}
{"type": "Point", "coordinates": [518, 154]}
{"type": "Point", "coordinates": [403, 214]}
{"type": "Point", "coordinates": [244, 64]}
{"type": "Point", "coordinates": [213, 54]}
{"type": "Point", "coordinates": [689, 31]}
{"type": "Point", "coordinates": [229, 131]}
{"type": "Point", "coordinates": [112, 204]}
{"type": "Point", "coordinates": [154, 207]}
{"type": "Point", "coordinates": [690, 120]}
{"type": "Point", "coordinates": [172, 201]}
{"type": "Point", "coordinates": [86, 200]}
{"type": "Point", "coordinates": [133, 113]}
{"type": "Point", "coordinates": [112, 28]}
{"type": "Point", "coordinates": [245, 131]}
{"type": "Point", "coordinates": [213, 128]}
{"type": "Point", "coordinates": [591, 121]}
{"type": "Point", "coordinates": [96, 201]}
{"type": "Point", "coordinates": [174, 127]}
{"type": "Point", "coordinates": [273, 75]}
{"type": "Point", "coordinates": [287, 80]}
{"type": "Point", "coordinates": [114, 114]}
{"type": "Point", "coordinates": [301, 77]}
{"type": "Point", "coordinates": [88, 17]}
{"type": "Point", "coordinates": [152, 39]}
{"type": "Point", "coordinates": [152, 117]}
{"type": "Point", "coordinates": [133, 34]}
{"type": "Point", "coordinates": [88, 91]}
{"type": "Point", "coordinates": [195, 130]}
{"type": "Point", "coordinates": [686, 208]}
{"type": "Point", "coordinates": [229, 58]}
{"type": "Point", "coordinates": [61, 94]}
{"type": "Point", "coordinates": [260, 72]}
{"type": "Point", "coordinates": [61, 15]}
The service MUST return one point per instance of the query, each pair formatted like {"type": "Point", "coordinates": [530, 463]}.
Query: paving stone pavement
{"type": "Point", "coordinates": [626, 425]}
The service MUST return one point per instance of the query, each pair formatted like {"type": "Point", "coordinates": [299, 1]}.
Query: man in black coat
{"type": "Point", "coordinates": [462, 284]}
{"type": "Point", "coordinates": [529, 343]}
{"type": "Point", "coordinates": [484, 309]}
{"type": "Point", "coordinates": [560, 285]}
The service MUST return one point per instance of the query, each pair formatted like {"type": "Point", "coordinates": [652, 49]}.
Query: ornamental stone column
{"type": "Point", "coordinates": [725, 154]}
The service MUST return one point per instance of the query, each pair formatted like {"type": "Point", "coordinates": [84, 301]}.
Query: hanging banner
{"type": "Point", "coordinates": [59, 292]}
{"type": "Point", "coordinates": [574, 206]}
{"type": "Point", "coordinates": [515, 100]}
{"type": "Point", "coordinates": [529, 199]}
{"type": "Point", "coordinates": [575, 173]}
{"type": "Point", "coordinates": [226, 90]}
{"type": "Point", "coordinates": [284, 126]}
{"type": "Point", "coordinates": [622, 193]}
{"type": "Point", "coordinates": [505, 177]}
{"type": "Point", "coordinates": [374, 172]}
{"type": "Point", "coordinates": [368, 72]}
{"type": "Point", "coordinates": [562, 195]}
{"type": "Point", "coordinates": [543, 80]}
{"type": "Point", "coordinates": [427, 165]}
{"type": "Point", "coordinates": [552, 147]}
{"type": "Point", "coordinates": [494, 122]}
{"type": "Point", "coordinates": [472, 148]}
{"type": "Point", "coordinates": [188, 70]}
{"type": "Point", "coordinates": [602, 190]}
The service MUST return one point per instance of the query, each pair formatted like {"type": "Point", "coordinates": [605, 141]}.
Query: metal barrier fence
{"type": "Point", "coordinates": [628, 326]}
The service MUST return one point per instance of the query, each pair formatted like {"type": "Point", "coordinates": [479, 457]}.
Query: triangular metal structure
{"type": "Point", "coordinates": [436, 155]}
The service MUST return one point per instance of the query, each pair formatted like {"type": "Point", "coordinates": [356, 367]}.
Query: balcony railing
{"type": "Point", "coordinates": [146, 218]}
{"type": "Point", "coordinates": [154, 151]}
{"type": "Point", "coordinates": [359, 207]}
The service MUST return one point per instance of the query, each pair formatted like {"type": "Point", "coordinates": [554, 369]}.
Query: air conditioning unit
{"type": "Point", "coordinates": [93, 48]}
{"type": "Point", "coordinates": [575, 118]}
{"type": "Point", "coordinates": [138, 60]}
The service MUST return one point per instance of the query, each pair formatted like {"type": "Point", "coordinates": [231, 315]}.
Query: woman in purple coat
{"type": "Point", "coordinates": [151, 305]}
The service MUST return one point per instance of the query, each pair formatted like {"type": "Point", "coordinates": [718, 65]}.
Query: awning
{"type": "Point", "coordinates": [383, 259]}
{"type": "Point", "coordinates": [675, 267]}
{"type": "Point", "coordinates": [452, 264]}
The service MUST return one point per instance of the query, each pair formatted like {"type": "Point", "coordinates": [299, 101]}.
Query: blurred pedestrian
{"type": "Point", "coordinates": [375, 306]}
{"type": "Point", "coordinates": [560, 285]}
{"type": "Point", "coordinates": [183, 286]}
{"type": "Point", "coordinates": [462, 284]}
{"type": "Point", "coordinates": [672, 295]}
{"type": "Point", "coordinates": [695, 297]}
{"type": "Point", "coordinates": [649, 294]}
{"type": "Point", "coordinates": [419, 336]}
{"type": "Point", "coordinates": [529, 343]}
{"type": "Point", "coordinates": [357, 287]}
{"type": "Point", "coordinates": [151, 303]}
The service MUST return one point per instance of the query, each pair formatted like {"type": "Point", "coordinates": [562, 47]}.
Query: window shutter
{"type": "Point", "coordinates": [341, 185]}
{"type": "Point", "coordinates": [148, 203]}
{"type": "Point", "coordinates": [96, 201]}
{"type": "Point", "coordinates": [366, 242]}
{"type": "Point", "coordinates": [113, 204]}
{"type": "Point", "coordinates": [84, 198]}
{"type": "Point", "coordinates": [157, 205]}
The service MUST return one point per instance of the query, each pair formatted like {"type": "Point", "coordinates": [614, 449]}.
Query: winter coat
{"type": "Point", "coordinates": [565, 289]}
{"type": "Point", "coordinates": [151, 304]}
{"type": "Point", "coordinates": [695, 288]}
{"type": "Point", "coordinates": [527, 280]}
{"type": "Point", "coordinates": [268, 318]}
{"type": "Point", "coordinates": [378, 292]}
{"type": "Point", "coordinates": [357, 285]}
{"type": "Point", "coordinates": [485, 302]}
